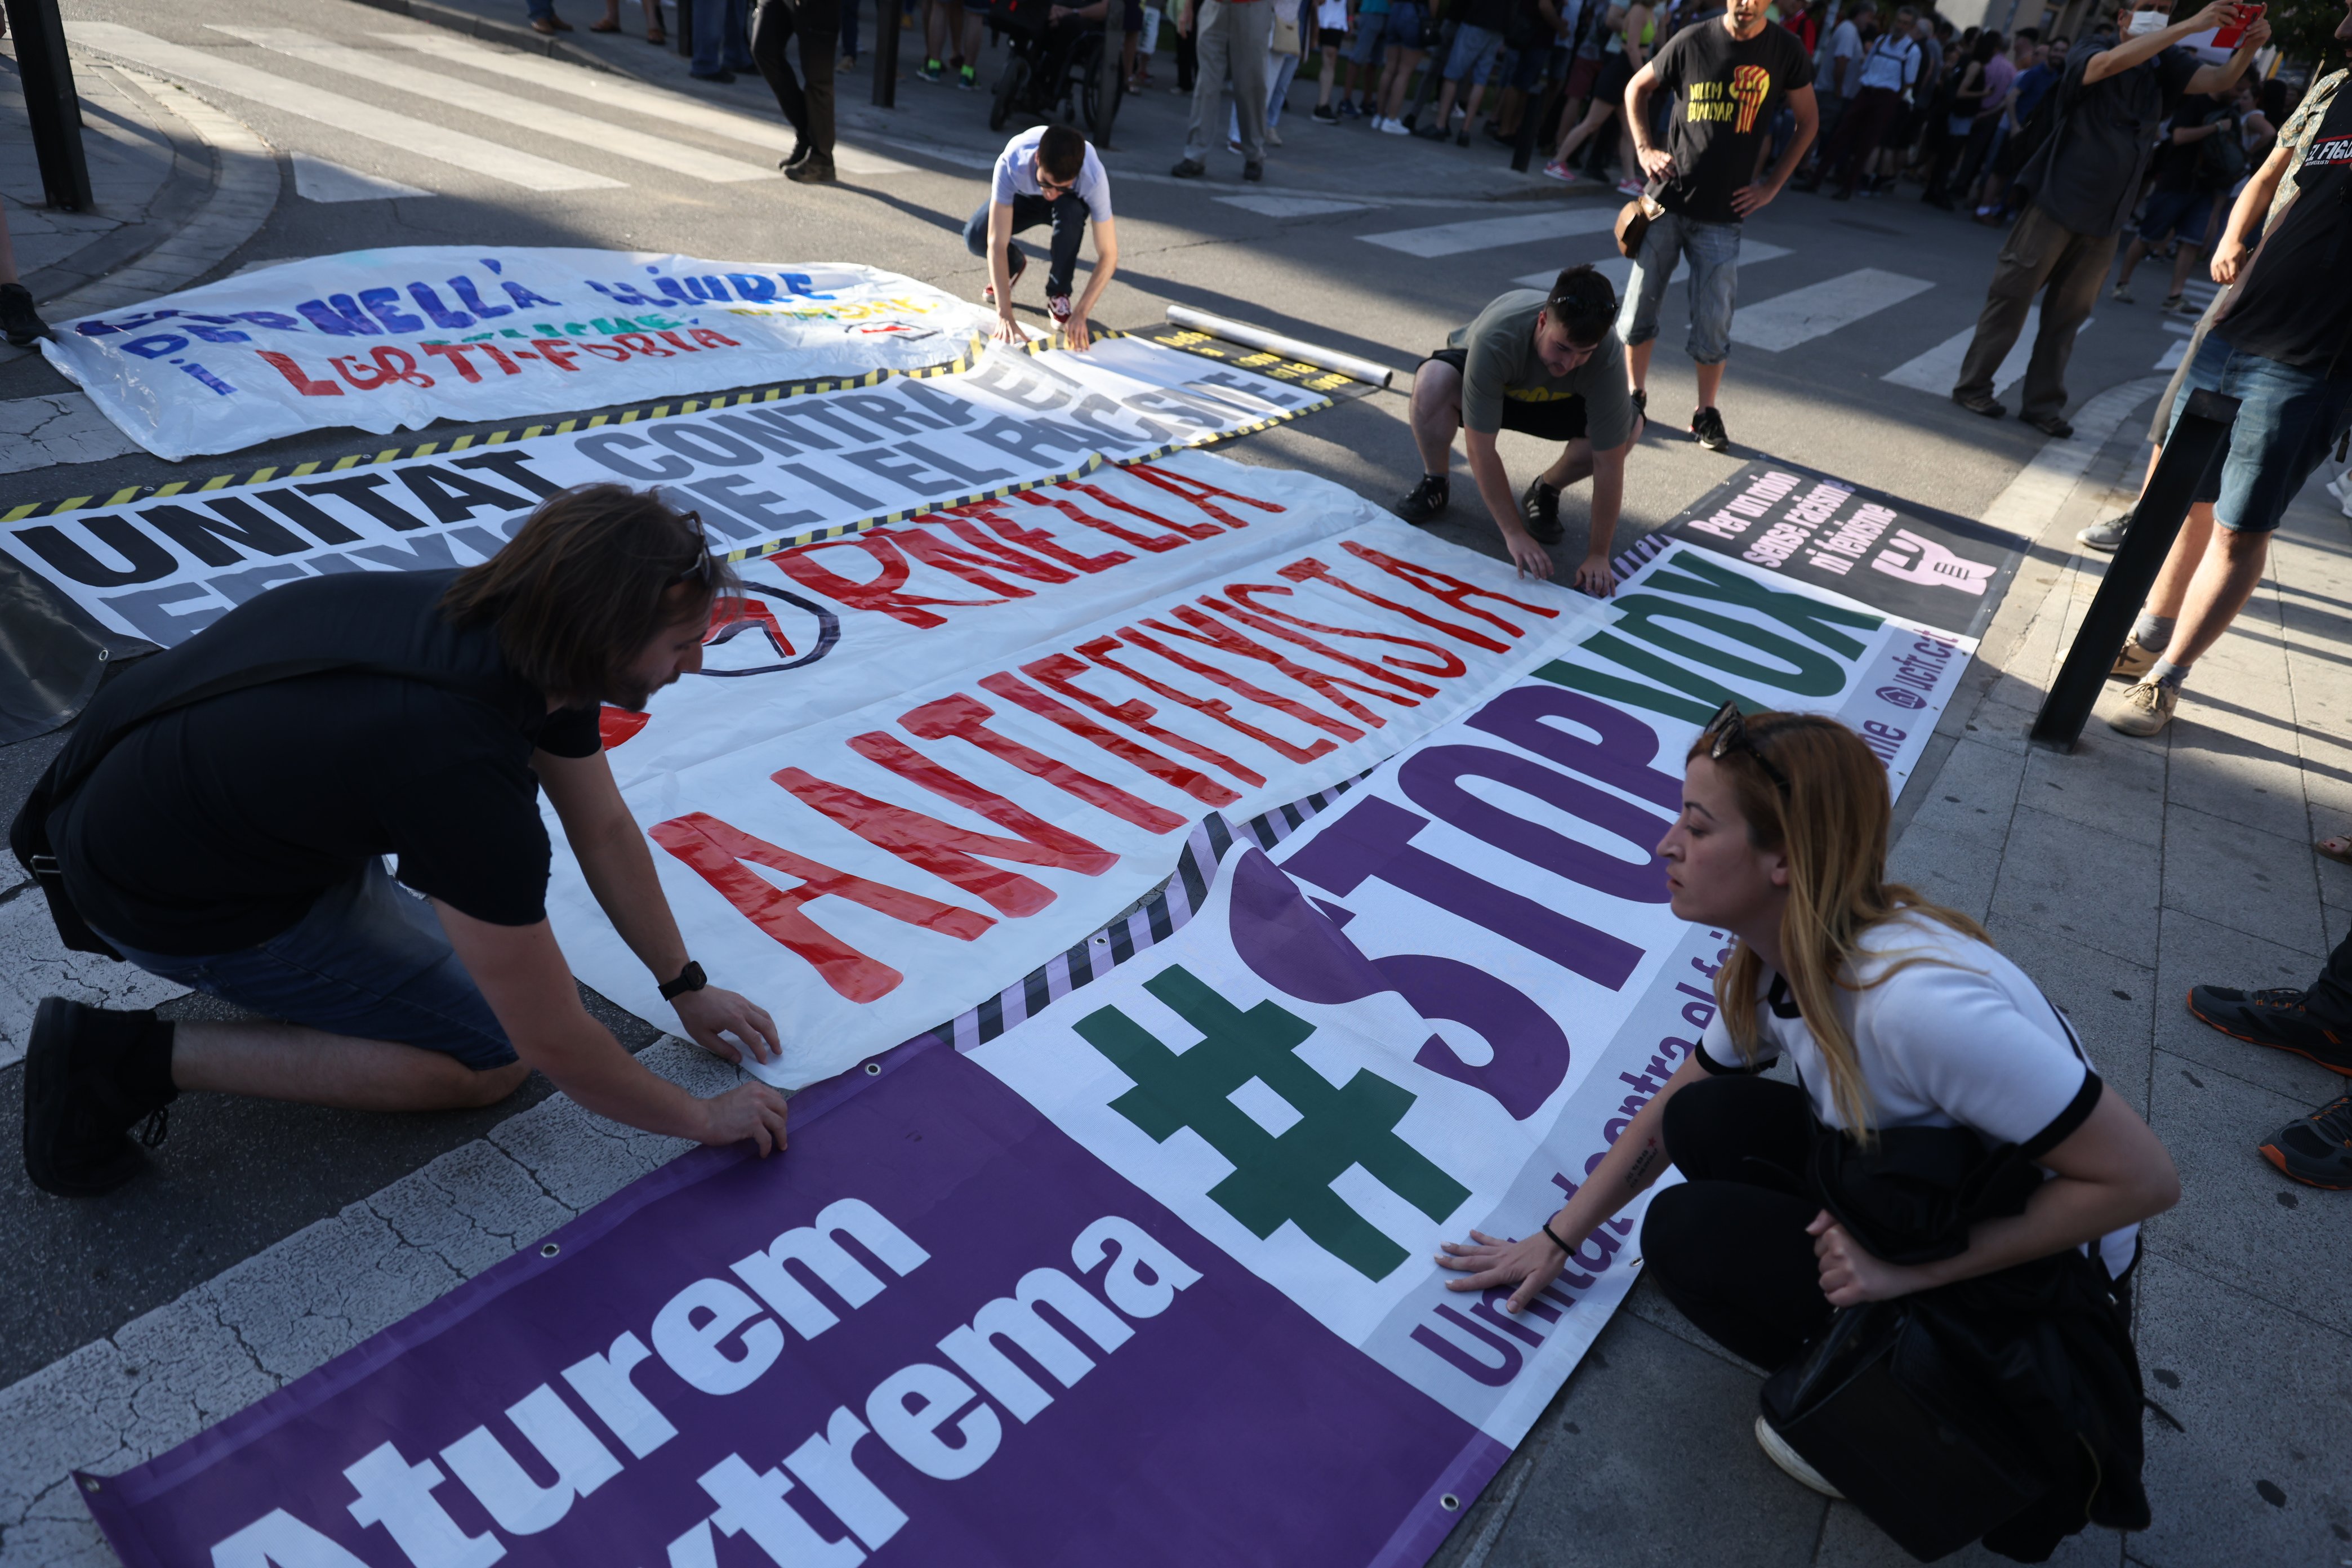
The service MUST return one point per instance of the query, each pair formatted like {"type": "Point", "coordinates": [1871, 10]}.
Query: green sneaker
{"type": "Point", "coordinates": [932, 72]}
{"type": "Point", "coordinates": [968, 80]}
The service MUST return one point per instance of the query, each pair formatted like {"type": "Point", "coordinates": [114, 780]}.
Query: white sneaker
{"type": "Point", "coordinates": [1776, 1449]}
{"type": "Point", "coordinates": [1392, 127]}
{"type": "Point", "coordinates": [1273, 137]}
{"type": "Point", "coordinates": [2106, 534]}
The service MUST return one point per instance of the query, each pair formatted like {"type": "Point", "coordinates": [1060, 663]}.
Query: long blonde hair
{"type": "Point", "coordinates": [1832, 826]}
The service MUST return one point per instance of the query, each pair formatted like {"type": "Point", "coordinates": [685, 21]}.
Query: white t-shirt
{"type": "Point", "coordinates": [1845, 44]}
{"type": "Point", "coordinates": [1963, 1040]}
{"type": "Point", "coordinates": [1892, 63]}
{"type": "Point", "coordinates": [1016, 175]}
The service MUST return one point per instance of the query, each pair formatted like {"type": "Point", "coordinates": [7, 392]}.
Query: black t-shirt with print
{"type": "Point", "coordinates": [2291, 305]}
{"type": "Point", "coordinates": [1727, 91]}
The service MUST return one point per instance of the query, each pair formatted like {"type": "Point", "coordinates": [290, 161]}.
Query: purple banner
{"type": "Point", "coordinates": [938, 1328]}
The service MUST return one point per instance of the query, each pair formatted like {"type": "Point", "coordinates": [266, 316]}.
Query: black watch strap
{"type": "Point", "coordinates": [690, 978]}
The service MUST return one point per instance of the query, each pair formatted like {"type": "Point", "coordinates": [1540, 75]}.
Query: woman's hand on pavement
{"type": "Point", "coordinates": [1849, 1275]}
{"type": "Point", "coordinates": [753, 1110]}
{"type": "Point", "coordinates": [1493, 1262]}
{"type": "Point", "coordinates": [712, 1015]}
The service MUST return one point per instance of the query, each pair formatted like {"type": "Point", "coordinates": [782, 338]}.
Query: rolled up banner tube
{"type": "Point", "coordinates": [1274, 343]}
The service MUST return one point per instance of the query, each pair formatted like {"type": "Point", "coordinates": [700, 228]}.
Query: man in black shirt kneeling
{"type": "Point", "coordinates": [222, 815]}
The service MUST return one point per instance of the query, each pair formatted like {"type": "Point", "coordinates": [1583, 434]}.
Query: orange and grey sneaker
{"type": "Point", "coordinates": [2317, 1150]}
{"type": "Point", "coordinates": [2280, 1018]}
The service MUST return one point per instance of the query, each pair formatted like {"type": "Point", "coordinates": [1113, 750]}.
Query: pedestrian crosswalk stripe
{"type": "Point", "coordinates": [1817, 310]}
{"type": "Point", "coordinates": [410, 134]}
{"type": "Point", "coordinates": [1938, 370]}
{"type": "Point", "coordinates": [321, 180]}
{"type": "Point", "coordinates": [1619, 269]}
{"type": "Point", "coordinates": [2172, 357]}
{"type": "Point", "coordinates": [1484, 234]}
{"type": "Point", "coordinates": [493, 103]}
{"type": "Point", "coordinates": [1292, 206]}
{"type": "Point", "coordinates": [596, 87]}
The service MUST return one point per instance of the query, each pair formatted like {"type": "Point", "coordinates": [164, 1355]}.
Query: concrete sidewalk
{"type": "Point", "coordinates": [2119, 877]}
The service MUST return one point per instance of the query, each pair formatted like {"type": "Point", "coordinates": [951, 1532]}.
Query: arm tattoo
{"type": "Point", "coordinates": [1643, 1163]}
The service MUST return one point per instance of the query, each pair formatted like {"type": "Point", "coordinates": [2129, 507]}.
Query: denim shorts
{"type": "Point", "coordinates": [1474, 49]}
{"type": "Point", "coordinates": [1408, 23]}
{"type": "Point", "coordinates": [2289, 418]}
{"type": "Point", "coordinates": [1714, 252]}
{"type": "Point", "coordinates": [370, 961]}
{"type": "Point", "coordinates": [2184, 213]}
{"type": "Point", "coordinates": [1370, 41]}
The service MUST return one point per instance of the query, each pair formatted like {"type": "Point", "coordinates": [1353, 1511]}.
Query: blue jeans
{"type": "Point", "coordinates": [539, 10]}
{"type": "Point", "coordinates": [722, 36]}
{"type": "Point", "coordinates": [1474, 53]}
{"type": "Point", "coordinates": [1066, 213]}
{"type": "Point", "coordinates": [2288, 419]}
{"type": "Point", "coordinates": [1714, 252]}
{"type": "Point", "coordinates": [370, 961]}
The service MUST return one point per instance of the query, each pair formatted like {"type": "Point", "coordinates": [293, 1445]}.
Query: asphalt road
{"type": "Point", "coordinates": [237, 1177]}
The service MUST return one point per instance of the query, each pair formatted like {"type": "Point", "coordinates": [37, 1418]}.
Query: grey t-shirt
{"type": "Point", "coordinates": [1500, 363]}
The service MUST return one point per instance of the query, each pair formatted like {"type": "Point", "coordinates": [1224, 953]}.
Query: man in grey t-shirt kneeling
{"type": "Point", "coordinates": [1549, 366]}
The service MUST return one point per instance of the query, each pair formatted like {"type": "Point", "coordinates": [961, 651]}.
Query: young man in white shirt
{"type": "Point", "coordinates": [1047, 175]}
{"type": "Point", "coordinates": [1888, 69]}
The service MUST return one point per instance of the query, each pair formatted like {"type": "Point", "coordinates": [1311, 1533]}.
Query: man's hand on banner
{"type": "Point", "coordinates": [1008, 329]}
{"type": "Point", "coordinates": [1532, 558]}
{"type": "Point", "coordinates": [1493, 1262]}
{"type": "Point", "coordinates": [1076, 334]}
{"type": "Point", "coordinates": [1597, 577]}
{"type": "Point", "coordinates": [710, 1015]}
{"type": "Point", "coordinates": [749, 1111]}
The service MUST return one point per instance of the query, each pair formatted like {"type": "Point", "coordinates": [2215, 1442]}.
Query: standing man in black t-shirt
{"type": "Point", "coordinates": [2282, 345]}
{"type": "Point", "coordinates": [223, 812]}
{"type": "Point", "coordinates": [1728, 77]}
{"type": "Point", "coordinates": [2085, 180]}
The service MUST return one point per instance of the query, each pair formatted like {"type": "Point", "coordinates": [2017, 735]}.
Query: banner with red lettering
{"type": "Point", "coordinates": [866, 871]}
{"type": "Point", "coordinates": [394, 339]}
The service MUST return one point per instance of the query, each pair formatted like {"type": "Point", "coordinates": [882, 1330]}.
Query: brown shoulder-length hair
{"type": "Point", "coordinates": [1831, 823]}
{"type": "Point", "coordinates": [595, 573]}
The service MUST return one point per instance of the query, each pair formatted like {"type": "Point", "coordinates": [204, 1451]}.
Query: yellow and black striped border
{"type": "Point", "coordinates": [1270, 365]}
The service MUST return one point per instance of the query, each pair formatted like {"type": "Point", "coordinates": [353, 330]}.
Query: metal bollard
{"type": "Point", "coordinates": [2198, 438]}
{"type": "Point", "coordinates": [889, 17]}
{"type": "Point", "coordinates": [51, 103]}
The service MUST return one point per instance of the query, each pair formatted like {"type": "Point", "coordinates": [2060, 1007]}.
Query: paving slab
{"type": "Point", "coordinates": [2076, 880]}
{"type": "Point", "coordinates": [2265, 1396]}
{"type": "Point", "coordinates": [2238, 1218]}
{"type": "Point", "coordinates": [2233, 875]}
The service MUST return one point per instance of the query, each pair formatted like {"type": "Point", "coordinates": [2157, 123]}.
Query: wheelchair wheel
{"type": "Point", "coordinates": [1008, 91]}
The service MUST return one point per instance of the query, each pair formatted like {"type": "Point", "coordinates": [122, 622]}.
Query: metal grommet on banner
{"type": "Point", "coordinates": [873, 1070]}
{"type": "Point", "coordinates": [549, 1250]}
{"type": "Point", "coordinates": [90, 1483]}
{"type": "Point", "coordinates": [1449, 1502]}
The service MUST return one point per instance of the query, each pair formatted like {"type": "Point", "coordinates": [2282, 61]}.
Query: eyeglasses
{"type": "Point", "coordinates": [1729, 733]}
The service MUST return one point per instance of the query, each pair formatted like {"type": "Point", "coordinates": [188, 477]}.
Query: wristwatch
{"type": "Point", "coordinates": [690, 978]}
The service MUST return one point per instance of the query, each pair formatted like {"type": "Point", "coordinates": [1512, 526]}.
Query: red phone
{"type": "Point", "coordinates": [2227, 37]}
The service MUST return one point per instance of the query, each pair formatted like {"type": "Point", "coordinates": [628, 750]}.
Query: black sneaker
{"type": "Point", "coordinates": [1325, 114]}
{"type": "Point", "coordinates": [90, 1074]}
{"type": "Point", "coordinates": [1252, 173]}
{"type": "Point", "coordinates": [1190, 169]}
{"type": "Point", "coordinates": [2280, 1018]}
{"type": "Point", "coordinates": [1426, 500]}
{"type": "Point", "coordinates": [19, 322]}
{"type": "Point", "coordinates": [2317, 1150]}
{"type": "Point", "coordinates": [1706, 423]}
{"type": "Point", "coordinates": [816, 169]}
{"type": "Point", "coordinates": [802, 148]}
{"type": "Point", "coordinates": [1539, 509]}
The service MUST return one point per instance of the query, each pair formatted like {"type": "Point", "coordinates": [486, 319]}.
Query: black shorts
{"type": "Point", "coordinates": [1616, 75]}
{"type": "Point", "coordinates": [1549, 419]}
{"type": "Point", "coordinates": [1332, 38]}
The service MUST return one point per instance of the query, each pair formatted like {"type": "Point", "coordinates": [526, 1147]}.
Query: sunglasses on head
{"type": "Point", "coordinates": [701, 571]}
{"type": "Point", "coordinates": [1727, 732]}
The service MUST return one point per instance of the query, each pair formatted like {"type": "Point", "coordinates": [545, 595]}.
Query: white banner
{"type": "Point", "coordinates": [1460, 982]}
{"type": "Point", "coordinates": [394, 339]}
{"type": "Point", "coordinates": [762, 473]}
{"type": "Point", "coordinates": [854, 869]}
{"type": "Point", "coordinates": [868, 873]}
